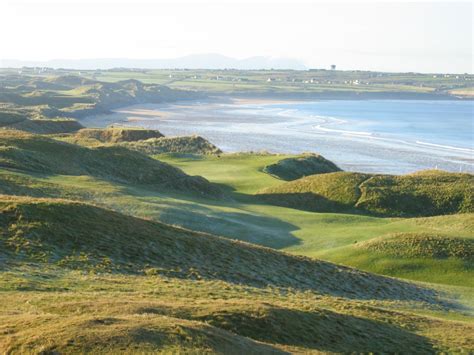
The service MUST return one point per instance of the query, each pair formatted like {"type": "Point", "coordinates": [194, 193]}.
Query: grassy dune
{"type": "Point", "coordinates": [38, 154]}
{"type": "Point", "coordinates": [410, 245]}
{"type": "Point", "coordinates": [41, 230]}
{"type": "Point", "coordinates": [300, 166]}
{"type": "Point", "coordinates": [50, 104]}
{"type": "Point", "coordinates": [76, 312]}
{"type": "Point", "coordinates": [181, 144]}
{"type": "Point", "coordinates": [420, 256]}
{"type": "Point", "coordinates": [426, 193]}
{"type": "Point", "coordinates": [146, 141]}
{"type": "Point", "coordinates": [87, 264]}
{"type": "Point", "coordinates": [331, 236]}
{"type": "Point", "coordinates": [117, 134]}
{"type": "Point", "coordinates": [85, 287]}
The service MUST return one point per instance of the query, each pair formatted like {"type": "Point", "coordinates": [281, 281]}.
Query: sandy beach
{"type": "Point", "coordinates": [260, 124]}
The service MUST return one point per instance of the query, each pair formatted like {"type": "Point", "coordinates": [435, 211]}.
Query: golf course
{"type": "Point", "coordinates": [122, 239]}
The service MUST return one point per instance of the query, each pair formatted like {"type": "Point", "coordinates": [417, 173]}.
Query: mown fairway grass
{"type": "Point", "coordinates": [242, 172]}
{"type": "Point", "coordinates": [333, 236]}
{"type": "Point", "coordinates": [330, 236]}
{"type": "Point", "coordinates": [76, 278]}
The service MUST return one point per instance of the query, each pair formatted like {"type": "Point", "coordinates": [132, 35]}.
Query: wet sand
{"type": "Point", "coordinates": [234, 125]}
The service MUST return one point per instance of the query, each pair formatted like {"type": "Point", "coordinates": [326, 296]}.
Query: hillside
{"type": "Point", "coordinates": [91, 289]}
{"type": "Point", "coordinates": [301, 166]}
{"type": "Point", "coordinates": [117, 134]}
{"type": "Point", "coordinates": [181, 144]}
{"type": "Point", "coordinates": [42, 231]}
{"type": "Point", "coordinates": [103, 275]}
{"type": "Point", "coordinates": [313, 83]}
{"type": "Point", "coordinates": [329, 236]}
{"type": "Point", "coordinates": [426, 193]}
{"type": "Point", "coordinates": [39, 154]}
{"type": "Point", "coordinates": [25, 98]}
{"type": "Point", "coordinates": [412, 245]}
{"type": "Point", "coordinates": [432, 256]}
{"type": "Point", "coordinates": [147, 141]}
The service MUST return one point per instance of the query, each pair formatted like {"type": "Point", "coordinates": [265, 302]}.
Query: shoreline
{"type": "Point", "coordinates": [346, 95]}
{"type": "Point", "coordinates": [220, 121]}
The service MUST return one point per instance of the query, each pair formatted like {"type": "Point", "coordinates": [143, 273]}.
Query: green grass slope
{"type": "Point", "coordinates": [332, 192]}
{"type": "Point", "coordinates": [39, 154]}
{"type": "Point", "coordinates": [147, 141]}
{"type": "Point", "coordinates": [47, 126]}
{"type": "Point", "coordinates": [301, 166]}
{"type": "Point", "coordinates": [13, 117]}
{"type": "Point", "coordinates": [429, 257]}
{"type": "Point", "coordinates": [104, 282]}
{"type": "Point", "coordinates": [412, 245]}
{"type": "Point", "coordinates": [181, 144]}
{"type": "Point", "coordinates": [43, 231]}
{"type": "Point", "coordinates": [426, 193]}
{"type": "Point", "coordinates": [117, 134]}
{"type": "Point", "coordinates": [328, 236]}
{"type": "Point", "coordinates": [88, 279]}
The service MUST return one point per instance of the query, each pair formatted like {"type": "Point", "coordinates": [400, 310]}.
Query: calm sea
{"type": "Point", "coordinates": [387, 136]}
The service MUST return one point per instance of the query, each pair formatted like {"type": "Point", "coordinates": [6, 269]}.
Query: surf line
{"type": "Point", "coordinates": [358, 133]}
{"type": "Point", "coordinates": [445, 147]}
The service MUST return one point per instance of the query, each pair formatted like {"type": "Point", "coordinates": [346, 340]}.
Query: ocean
{"type": "Point", "coordinates": [384, 136]}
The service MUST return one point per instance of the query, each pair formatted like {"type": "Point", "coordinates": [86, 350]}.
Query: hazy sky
{"type": "Point", "coordinates": [392, 36]}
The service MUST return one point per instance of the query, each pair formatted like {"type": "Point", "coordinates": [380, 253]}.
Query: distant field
{"type": "Point", "coordinates": [293, 82]}
{"type": "Point", "coordinates": [285, 82]}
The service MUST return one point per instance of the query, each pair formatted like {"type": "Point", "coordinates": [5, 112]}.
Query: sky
{"type": "Point", "coordinates": [378, 35]}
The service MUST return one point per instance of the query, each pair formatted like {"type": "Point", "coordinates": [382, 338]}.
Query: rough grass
{"type": "Point", "coordinates": [78, 278]}
{"type": "Point", "coordinates": [426, 193]}
{"type": "Point", "coordinates": [48, 126]}
{"type": "Point", "coordinates": [301, 166]}
{"type": "Point", "coordinates": [187, 145]}
{"type": "Point", "coordinates": [332, 192]}
{"type": "Point", "coordinates": [414, 245]}
{"type": "Point", "coordinates": [34, 153]}
{"type": "Point", "coordinates": [103, 282]}
{"type": "Point", "coordinates": [117, 134]}
{"type": "Point", "coordinates": [330, 236]}
{"type": "Point", "coordinates": [75, 312]}
{"type": "Point", "coordinates": [42, 231]}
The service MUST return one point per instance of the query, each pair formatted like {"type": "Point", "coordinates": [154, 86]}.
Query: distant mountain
{"type": "Point", "coordinates": [194, 61]}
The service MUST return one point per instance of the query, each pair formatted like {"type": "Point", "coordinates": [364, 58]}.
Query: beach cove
{"type": "Point", "coordinates": [383, 136]}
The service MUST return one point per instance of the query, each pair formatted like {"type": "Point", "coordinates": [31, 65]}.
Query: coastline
{"type": "Point", "coordinates": [242, 124]}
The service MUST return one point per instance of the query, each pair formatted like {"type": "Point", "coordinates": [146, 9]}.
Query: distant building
{"type": "Point", "coordinates": [333, 66]}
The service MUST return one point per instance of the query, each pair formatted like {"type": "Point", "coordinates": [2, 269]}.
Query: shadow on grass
{"type": "Point", "coordinates": [323, 331]}
{"type": "Point", "coordinates": [319, 329]}
{"type": "Point", "coordinates": [307, 201]}
{"type": "Point", "coordinates": [191, 212]}
{"type": "Point", "coordinates": [257, 229]}
{"type": "Point", "coordinates": [220, 341]}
